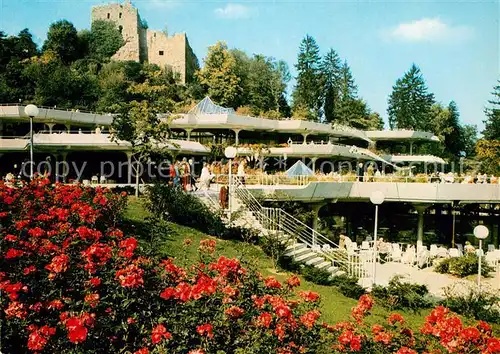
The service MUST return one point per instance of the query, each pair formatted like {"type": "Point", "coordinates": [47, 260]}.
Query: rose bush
{"type": "Point", "coordinates": [72, 282]}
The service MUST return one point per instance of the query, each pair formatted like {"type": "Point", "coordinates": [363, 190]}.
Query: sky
{"type": "Point", "coordinates": [455, 43]}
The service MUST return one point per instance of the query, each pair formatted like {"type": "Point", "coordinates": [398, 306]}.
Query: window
{"type": "Point", "coordinates": [120, 15]}
{"type": "Point", "coordinates": [109, 15]}
{"type": "Point", "coordinates": [120, 28]}
{"type": "Point", "coordinates": [161, 52]}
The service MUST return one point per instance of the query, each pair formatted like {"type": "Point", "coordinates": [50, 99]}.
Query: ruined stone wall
{"type": "Point", "coordinates": [142, 44]}
{"type": "Point", "coordinates": [127, 19]}
{"type": "Point", "coordinates": [168, 51]}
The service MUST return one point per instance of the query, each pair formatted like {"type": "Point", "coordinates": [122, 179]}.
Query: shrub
{"type": "Point", "coordinates": [317, 276]}
{"type": "Point", "coordinates": [273, 246]}
{"type": "Point", "coordinates": [348, 286]}
{"type": "Point", "coordinates": [183, 208]}
{"type": "Point", "coordinates": [469, 301]}
{"type": "Point", "coordinates": [402, 295]}
{"type": "Point", "coordinates": [463, 266]}
{"type": "Point", "coordinates": [72, 282]}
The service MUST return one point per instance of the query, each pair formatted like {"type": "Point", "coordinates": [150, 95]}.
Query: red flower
{"type": "Point", "coordinates": [142, 351]}
{"type": "Point", "coordinates": [13, 253]}
{"type": "Point", "coordinates": [309, 296]}
{"type": "Point", "coordinates": [234, 312]}
{"type": "Point", "coordinates": [131, 320]}
{"type": "Point", "coordinates": [130, 276]}
{"type": "Point", "coordinates": [283, 311]}
{"type": "Point", "coordinates": [396, 317]}
{"type": "Point", "coordinates": [377, 328]}
{"type": "Point", "coordinates": [272, 282]}
{"type": "Point", "coordinates": [77, 332]}
{"type": "Point", "coordinates": [95, 282]}
{"type": "Point", "coordinates": [205, 329]}
{"type": "Point", "coordinates": [383, 337]}
{"type": "Point", "coordinates": [264, 320]}
{"type": "Point", "coordinates": [493, 345]}
{"type": "Point", "coordinates": [207, 246]}
{"type": "Point", "coordinates": [92, 299]}
{"type": "Point", "coordinates": [159, 333]}
{"type": "Point", "coordinates": [29, 270]}
{"type": "Point", "coordinates": [405, 350]}
{"type": "Point", "coordinates": [128, 247]}
{"type": "Point", "coordinates": [36, 341]}
{"type": "Point", "coordinates": [59, 264]}
{"type": "Point", "coordinates": [197, 351]}
{"type": "Point", "coordinates": [293, 281]}
{"type": "Point", "coordinates": [470, 334]}
{"type": "Point", "coordinates": [309, 318]}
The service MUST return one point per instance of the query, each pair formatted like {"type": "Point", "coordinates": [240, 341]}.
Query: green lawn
{"type": "Point", "coordinates": [335, 306]}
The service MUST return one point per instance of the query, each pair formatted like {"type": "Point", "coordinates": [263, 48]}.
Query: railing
{"type": "Point", "coordinates": [278, 220]}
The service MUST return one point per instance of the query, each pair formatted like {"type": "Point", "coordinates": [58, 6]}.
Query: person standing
{"type": "Point", "coordinates": [205, 177]}
{"type": "Point", "coordinates": [241, 171]}
{"type": "Point", "coordinates": [176, 174]}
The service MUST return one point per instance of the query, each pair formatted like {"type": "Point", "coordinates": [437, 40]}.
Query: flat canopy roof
{"type": "Point", "coordinates": [399, 135]}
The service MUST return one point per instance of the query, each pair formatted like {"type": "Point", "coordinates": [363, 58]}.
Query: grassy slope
{"type": "Point", "coordinates": [336, 307]}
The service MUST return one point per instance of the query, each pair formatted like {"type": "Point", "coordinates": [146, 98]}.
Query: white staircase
{"type": "Point", "coordinates": [304, 245]}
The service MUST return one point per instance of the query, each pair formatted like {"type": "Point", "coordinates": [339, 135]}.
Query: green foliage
{"type": "Point", "coordinates": [410, 103]}
{"type": "Point", "coordinates": [492, 123]}
{"type": "Point", "coordinates": [488, 154]}
{"type": "Point", "coordinates": [183, 208]}
{"type": "Point", "coordinates": [219, 75]}
{"type": "Point", "coordinates": [62, 39]}
{"type": "Point", "coordinates": [348, 286]}
{"type": "Point", "coordinates": [330, 71]}
{"type": "Point", "coordinates": [308, 89]}
{"type": "Point", "coordinates": [273, 246]}
{"type": "Point", "coordinates": [105, 39]}
{"type": "Point", "coordinates": [402, 295]}
{"type": "Point", "coordinates": [473, 302]}
{"type": "Point", "coordinates": [316, 276]}
{"type": "Point", "coordinates": [463, 266]}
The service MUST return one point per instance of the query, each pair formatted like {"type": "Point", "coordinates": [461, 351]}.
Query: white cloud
{"type": "Point", "coordinates": [429, 30]}
{"type": "Point", "coordinates": [233, 11]}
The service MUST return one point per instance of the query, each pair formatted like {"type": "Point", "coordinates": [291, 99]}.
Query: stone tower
{"type": "Point", "coordinates": [142, 44]}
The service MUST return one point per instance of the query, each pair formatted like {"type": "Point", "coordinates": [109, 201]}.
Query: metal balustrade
{"type": "Point", "coordinates": [278, 221]}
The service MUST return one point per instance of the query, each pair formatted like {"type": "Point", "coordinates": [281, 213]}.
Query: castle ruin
{"type": "Point", "coordinates": [145, 45]}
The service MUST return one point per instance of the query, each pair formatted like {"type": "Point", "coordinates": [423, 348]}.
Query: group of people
{"type": "Point", "coordinates": [181, 175]}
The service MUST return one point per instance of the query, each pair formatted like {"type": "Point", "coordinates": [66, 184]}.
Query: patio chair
{"type": "Point", "coordinates": [395, 255]}
{"type": "Point", "coordinates": [442, 252]}
{"type": "Point", "coordinates": [434, 250]}
{"type": "Point", "coordinates": [365, 245]}
{"type": "Point", "coordinates": [454, 252]}
{"type": "Point", "coordinates": [423, 258]}
{"type": "Point", "coordinates": [460, 247]}
{"type": "Point", "coordinates": [491, 247]}
{"type": "Point", "coordinates": [492, 258]}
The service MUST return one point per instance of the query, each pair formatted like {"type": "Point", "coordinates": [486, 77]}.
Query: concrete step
{"type": "Point", "coordinates": [296, 246]}
{"type": "Point", "coordinates": [315, 260]}
{"type": "Point", "coordinates": [305, 256]}
{"type": "Point", "coordinates": [332, 269]}
{"type": "Point", "coordinates": [323, 265]}
{"type": "Point", "coordinates": [297, 252]}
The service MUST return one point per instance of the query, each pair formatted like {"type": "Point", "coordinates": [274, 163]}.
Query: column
{"type": "Point", "coordinates": [236, 136]}
{"type": "Point", "coordinates": [315, 209]}
{"type": "Point", "coordinates": [129, 167]}
{"type": "Point", "coordinates": [68, 127]}
{"type": "Point", "coordinates": [188, 132]}
{"type": "Point", "coordinates": [65, 171]}
{"type": "Point", "coordinates": [313, 160]}
{"type": "Point", "coordinates": [50, 126]}
{"type": "Point", "coordinates": [420, 231]}
{"type": "Point", "coordinates": [305, 138]}
{"type": "Point", "coordinates": [411, 147]}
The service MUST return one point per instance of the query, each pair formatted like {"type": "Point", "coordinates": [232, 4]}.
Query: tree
{"type": "Point", "coordinates": [140, 125]}
{"type": "Point", "coordinates": [105, 39]}
{"type": "Point", "coordinates": [488, 154]}
{"type": "Point", "coordinates": [62, 39]}
{"type": "Point", "coordinates": [356, 113]}
{"type": "Point", "coordinates": [453, 139]}
{"type": "Point", "coordinates": [410, 103]}
{"type": "Point", "coordinates": [492, 123]}
{"type": "Point", "coordinates": [330, 71]}
{"type": "Point", "coordinates": [348, 88]}
{"type": "Point", "coordinates": [219, 76]}
{"type": "Point", "coordinates": [469, 135]}
{"type": "Point", "coordinates": [307, 92]}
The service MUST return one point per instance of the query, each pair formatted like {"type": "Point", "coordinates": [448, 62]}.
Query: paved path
{"type": "Point", "coordinates": [436, 282]}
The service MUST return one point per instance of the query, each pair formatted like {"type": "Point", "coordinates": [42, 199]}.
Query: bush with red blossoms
{"type": "Point", "coordinates": [72, 282]}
